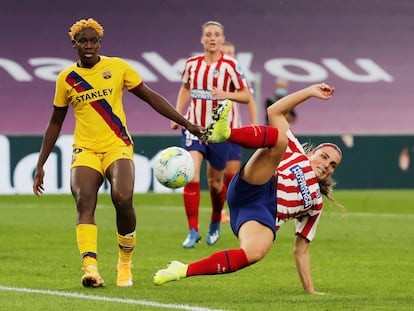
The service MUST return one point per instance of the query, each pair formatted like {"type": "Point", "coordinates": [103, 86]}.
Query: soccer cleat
{"type": "Point", "coordinates": [193, 237]}
{"type": "Point", "coordinates": [124, 276]}
{"type": "Point", "coordinates": [213, 234]}
{"type": "Point", "coordinates": [175, 270]}
{"type": "Point", "coordinates": [219, 131]}
{"type": "Point", "coordinates": [91, 278]}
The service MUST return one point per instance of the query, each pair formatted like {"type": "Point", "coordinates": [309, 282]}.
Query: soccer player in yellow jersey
{"type": "Point", "coordinates": [102, 146]}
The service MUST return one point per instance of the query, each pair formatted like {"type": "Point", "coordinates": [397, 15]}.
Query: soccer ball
{"type": "Point", "coordinates": [174, 167]}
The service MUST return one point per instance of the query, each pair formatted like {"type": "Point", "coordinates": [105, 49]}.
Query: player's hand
{"type": "Point", "coordinates": [38, 187]}
{"type": "Point", "coordinates": [219, 94]}
{"type": "Point", "coordinates": [322, 90]}
{"type": "Point", "coordinates": [196, 130]}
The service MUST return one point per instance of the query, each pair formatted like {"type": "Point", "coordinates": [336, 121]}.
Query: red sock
{"type": "Point", "coordinates": [218, 263]}
{"type": "Point", "coordinates": [192, 203]}
{"type": "Point", "coordinates": [227, 179]}
{"type": "Point", "coordinates": [217, 202]}
{"type": "Point", "coordinates": [254, 136]}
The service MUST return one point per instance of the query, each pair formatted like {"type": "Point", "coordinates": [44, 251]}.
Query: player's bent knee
{"type": "Point", "coordinates": [122, 199]}
{"type": "Point", "coordinates": [281, 145]}
{"type": "Point", "coordinates": [256, 255]}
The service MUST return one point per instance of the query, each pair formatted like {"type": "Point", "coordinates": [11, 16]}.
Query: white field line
{"type": "Point", "coordinates": [108, 299]}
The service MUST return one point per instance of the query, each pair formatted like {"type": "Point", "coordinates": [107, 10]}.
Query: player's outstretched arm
{"type": "Point", "coordinates": [277, 111]}
{"type": "Point", "coordinates": [303, 265]}
{"type": "Point", "coordinates": [163, 107]}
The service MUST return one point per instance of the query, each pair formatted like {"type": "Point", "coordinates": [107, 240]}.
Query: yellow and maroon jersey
{"type": "Point", "coordinates": [96, 96]}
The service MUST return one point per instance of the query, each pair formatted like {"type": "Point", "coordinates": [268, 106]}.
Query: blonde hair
{"type": "Point", "coordinates": [209, 23]}
{"type": "Point", "coordinates": [82, 24]}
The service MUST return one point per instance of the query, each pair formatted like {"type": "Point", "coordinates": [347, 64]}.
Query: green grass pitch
{"type": "Point", "coordinates": [364, 258]}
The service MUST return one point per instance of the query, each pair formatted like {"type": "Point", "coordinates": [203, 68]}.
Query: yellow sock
{"type": "Point", "coordinates": [87, 237]}
{"type": "Point", "coordinates": [126, 247]}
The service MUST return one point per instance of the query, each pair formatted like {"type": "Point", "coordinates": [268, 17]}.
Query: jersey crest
{"type": "Point", "coordinates": [106, 75]}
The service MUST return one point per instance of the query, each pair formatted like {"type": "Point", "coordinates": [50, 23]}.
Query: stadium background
{"type": "Point", "coordinates": [363, 48]}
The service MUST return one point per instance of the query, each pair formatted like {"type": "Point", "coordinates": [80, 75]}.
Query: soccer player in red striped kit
{"type": "Point", "coordinates": [280, 181]}
{"type": "Point", "coordinates": [208, 78]}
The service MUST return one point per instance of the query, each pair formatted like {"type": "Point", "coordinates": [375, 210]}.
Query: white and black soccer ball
{"type": "Point", "coordinates": [174, 167]}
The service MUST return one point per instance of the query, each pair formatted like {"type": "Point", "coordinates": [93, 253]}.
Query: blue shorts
{"type": "Point", "coordinates": [251, 202]}
{"type": "Point", "coordinates": [216, 154]}
{"type": "Point", "coordinates": [235, 152]}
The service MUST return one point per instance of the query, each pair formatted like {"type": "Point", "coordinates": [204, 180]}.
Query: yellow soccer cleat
{"type": "Point", "coordinates": [91, 278]}
{"type": "Point", "coordinates": [175, 270]}
{"type": "Point", "coordinates": [124, 276]}
{"type": "Point", "coordinates": [219, 130]}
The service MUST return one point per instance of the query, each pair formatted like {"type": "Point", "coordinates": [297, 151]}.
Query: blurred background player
{"type": "Point", "coordinates": [235, 152]}
{"type": "Point", "coordinates": [280, 91]}
{"type": "Point", "coordinates": [207, 79]}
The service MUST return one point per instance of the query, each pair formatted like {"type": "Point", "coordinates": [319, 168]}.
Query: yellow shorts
{"type": "Point", "coordinates": [100, 161]}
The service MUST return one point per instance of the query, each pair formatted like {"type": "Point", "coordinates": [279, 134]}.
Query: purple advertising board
{"type": "Point", "coordinates": [363, 48]}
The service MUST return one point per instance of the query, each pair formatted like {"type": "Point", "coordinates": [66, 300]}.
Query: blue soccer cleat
{"type": "Point", "coordinates": [213, 234]}
{"type": "Point", "coordinates": [193, 237]}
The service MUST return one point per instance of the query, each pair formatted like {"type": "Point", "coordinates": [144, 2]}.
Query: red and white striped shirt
{"type": "Point", "coordinates": [298, 192]}
{"type": "Point", "coordinates": [225, 74]}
